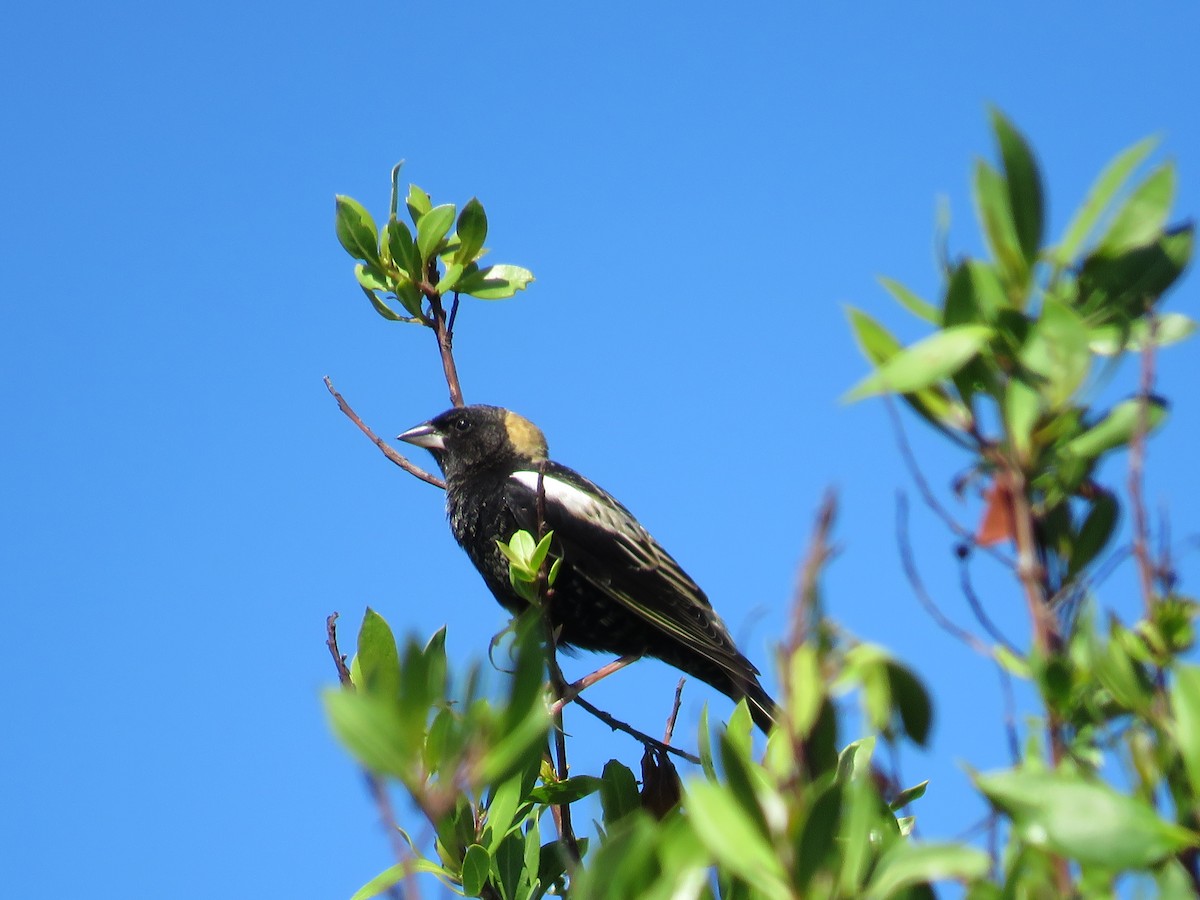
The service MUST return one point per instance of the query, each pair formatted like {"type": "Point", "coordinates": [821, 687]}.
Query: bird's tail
{"type": "Point", "coordinates": [762, 707]}
{"type": "Point", "coordinates": [744, 685]}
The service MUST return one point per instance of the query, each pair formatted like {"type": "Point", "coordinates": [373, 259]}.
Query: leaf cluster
{"type": "Point", "coordinates": [1021, 341]}
{"type": "Point", "coordinates": [414, 267]}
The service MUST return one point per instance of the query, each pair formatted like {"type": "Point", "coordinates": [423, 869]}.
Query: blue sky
{"type": "Point", "coordinates": [699, 192]}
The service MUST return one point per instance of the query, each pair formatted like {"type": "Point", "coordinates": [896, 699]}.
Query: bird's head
{"type": "Point", "coordinates": [471, 438]}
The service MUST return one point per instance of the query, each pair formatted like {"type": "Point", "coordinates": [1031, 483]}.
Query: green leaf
{"type": "Point", "coordinates": [508, 866]}
{"type": "Point", "coordinates": [1117, 428]}
{"type": "Point", "coordinates": [418, 203]}
{"type": "Point", "coordinates": [878, 345]}
{"type": "Point", "coordinates": [815, 841]}
{"type": "Point", "coordinates": [1022, 410]}
{"type": "Point", "coordinates": [1118, 675]}
{"type": "Point", "coordinates": [502, 808]}
{"type": "Point", "coordinates": [1057, 350]}
{"type": "Point", "coordinates": [1094, 534]}
{"type": "Point", "coordinates": [876, 695]}
{"type": "Point", "coordinates": [560, 792]}
{"type": "Point", "coordinates": [448, 281]}
{"type": "Point", "coordinates": [740, 728]}
{"type": "Point", "coordinates": [704, 745]}
{"type": "Point", "coordinates": [382, 308]}
{"type": "Point", "coordinates": [355, 229]}
{"type": "Point", "coordinates": [411, 299]}
{"type": "Point", "coordinates": [1087, 821]}
{"type": "Point", "coordinates": [1024, 186]}
{"type": "Point", "coordinates": [476, 865]}
{"type": "Point", "coordinates": [495, 282]}
{"type": "Point", "coordinates": [805, 689]}
{"type": "Point", "coordinates": [618, 792]}
{"type": "Point", "coordinates": [435, 663]}
{"type": "Point", "coordinates": [1011, 663]}
{"type": "Point", "coordinates": [906, 864]}
{"type": "Point", "coordinates": [739, 779]}
{"type": "Point", "coordinates": [859, 815]}
{"type": "Point", "coordinates": [1099, 196]}
{"type": "Point", "coordinates": [910, 301]}
{"type": "Point", "coordinates": [432, 229]}
{"type": "Point", "coordinates": [538, 556]}
{"type": "Point", "coordinates": [369, 726]}
{"type": "Point", "coordinates": [1130, 284]}
{"type": "Point", "coordinates": [1173, 882]}
{"type": "Point", "coordinates": [1185, 711]}
{"type": "Point", "coordinates": [472, 231]}
{"type": "Point", "coordinates": [909, 795]}
{"type": "Point", "coordinates": [855, 759]}
{"type": "Point", "coordinates": [1169, 328]}
{"type": "Point", "coordinates": [403, 249]}
{"type": "Point", "coordinates": [961, 307]}
{"type": "Point", "coordinates": [911, 701]}
{"type": "Point", "coordinates": [370, 278]}
{"type": "Point", "coordinates": [925, 362]}
{"type": "Point", "coordinates": [996, 220]}
{"type": "Point", "coordinates": [377, 657]}
{"type": "Point", "coordinates": [1141, 218]}
{"type": "Point", "coordinates": [732, 837]}
{"type": "Point", "coordinates": [392, 876]}
{"type": "Point", "coordinates": [974, 294]}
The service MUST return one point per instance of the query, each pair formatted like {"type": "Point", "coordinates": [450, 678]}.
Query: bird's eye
{"type": "Point", "coordinates": [462, 424]}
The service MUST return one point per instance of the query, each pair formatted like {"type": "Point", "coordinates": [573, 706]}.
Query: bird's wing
{"type": "Point", "coordinates": [602, 541]}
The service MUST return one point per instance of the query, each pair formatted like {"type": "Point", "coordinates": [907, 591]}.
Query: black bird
{"type": "Point", "coordinates": [617, 590]}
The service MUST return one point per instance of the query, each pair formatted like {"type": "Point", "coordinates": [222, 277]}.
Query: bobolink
{"type": "Point", "coordinates": [617, 590]}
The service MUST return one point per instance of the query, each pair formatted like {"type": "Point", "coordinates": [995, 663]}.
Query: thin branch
{"type": "Point", "coordinates": [444, 332]}
{"type": "Point", "coordinates": [645, 739]}
{"type": "Point", "coordinates": [331, 642]}
{"type": "Point", "coordinates": [981, 616]}
{"type": "Point", "coordinates": [380, 443]}
{"type": "Point", "coordinates": [927, 495]}
{"type": "Point", "coordinates": [918, 586]}
{"type": "Point", "coordinates": [572, 691]}
{"type": "Point", "coordinates": [804, 600]}
{"type": "Point", "coordinates": [453, 316]}
{"type": "Point", "coordinates": [1030, 571]}
{"type": "Point", "coordinates": [670, 730]}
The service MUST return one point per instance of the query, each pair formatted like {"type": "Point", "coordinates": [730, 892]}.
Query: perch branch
{"type": "Point", "coordinates": [380, 443]}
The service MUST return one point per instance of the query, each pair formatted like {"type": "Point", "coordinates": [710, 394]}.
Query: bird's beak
{"type": "Point", "coordinates": [424, 435]}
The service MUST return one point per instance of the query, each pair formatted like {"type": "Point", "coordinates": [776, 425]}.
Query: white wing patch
{"type": "Point", "coordinates": [568, 496]}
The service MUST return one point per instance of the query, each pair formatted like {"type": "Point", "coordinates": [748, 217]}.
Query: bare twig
{"type": "Point", "coordinates": [331, 642]}
{"type": "Point", "coordinates": [444, 332]}
{"type": "Point", "coordinates": [918, 586]}
{"type": "Point", "coordinates": [926, 492]}
{"type": "Point", "coordinates": [453, 316]}
{"type": "Point", "coordinates": [981, 616]}
{"type": "Point", "coordinates": [1030, 571]}
{"type": "Point", "coordinates": [670, 730]}
{"type": "Point", "coordinates": [572, 691]}
{"type": "Point", "coordinates": [804, 600]}
{"type": "Point", "coordinates": [380, 443]}
{"type": "Point", "coordinates": [645, 739]}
